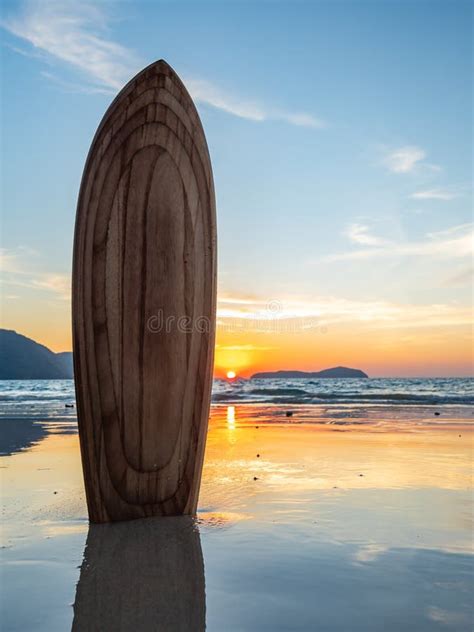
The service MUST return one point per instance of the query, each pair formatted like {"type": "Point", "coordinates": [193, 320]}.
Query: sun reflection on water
{"type": "Point", "coordinates": [231, 417]}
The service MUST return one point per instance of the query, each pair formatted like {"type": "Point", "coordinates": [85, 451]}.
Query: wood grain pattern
{"type": "Point", "coordinates": [144, 297]}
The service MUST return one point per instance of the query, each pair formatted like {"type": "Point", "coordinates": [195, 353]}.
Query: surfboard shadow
{"type": "Point", "coordinates": [142, 575]}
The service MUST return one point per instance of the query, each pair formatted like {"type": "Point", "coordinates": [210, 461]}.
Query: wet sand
{"type": "Point", "coordinates": [318, 521]}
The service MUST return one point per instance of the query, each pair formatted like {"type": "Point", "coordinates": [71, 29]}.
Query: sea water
{"type": "Point", "coordinates": [53, 398]}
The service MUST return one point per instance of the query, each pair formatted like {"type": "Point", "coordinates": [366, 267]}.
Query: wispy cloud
{"type": "Point", "coordinates": [404, 159]}
{"type": "Point", "coordinates": [435, 194]}
{"type": "Point", "coordinates": [244, 313]}
{"type": "Point", "coordinates": [454, 242]}
{"type": "Point", "coordinates": [77, 35]}
{"type": "Point", "coordinates": [74, 33]}
{"type": "Point", "coordinates": [19, 269]}
{"type": "Point", "coordinates": [330, 310]}
{"type": "Point", "coordinates": [205, 92]}
{"type": "Point", "coordinates": [12, 260]}
{"type": "Point", "coordinates": [59, 284]}
{"type": "Point", "coordinates": [359, 234]}
{"type": "Point", "coordinates": [209, 94]}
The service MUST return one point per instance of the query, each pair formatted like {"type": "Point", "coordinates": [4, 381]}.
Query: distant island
{"type": "Point", "coordinates": [24, 359]}
{"type": "Point", "coordinates": [338, 371]}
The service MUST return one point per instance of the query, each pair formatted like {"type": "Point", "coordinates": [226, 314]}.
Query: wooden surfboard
{"type": "Point", "coordinates": [144, 301]}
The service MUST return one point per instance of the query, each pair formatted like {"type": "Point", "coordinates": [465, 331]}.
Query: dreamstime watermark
{"type": "Point", "coordinates": [272, 319]}
{"type": "Point", "coordinates": [161, 323]}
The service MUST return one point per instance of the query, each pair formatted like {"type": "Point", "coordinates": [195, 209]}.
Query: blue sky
{"type": "Point", "coordinates": [339, 132]}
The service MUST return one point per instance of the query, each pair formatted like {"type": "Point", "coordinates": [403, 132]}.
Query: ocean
{"type": "Point", "coordinates": [454, 396]}
{"type": "Point", "coordinates": [375, 391]}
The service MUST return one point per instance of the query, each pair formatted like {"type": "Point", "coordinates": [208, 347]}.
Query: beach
{"type": "Point", "coordinates": [236, 336]}
{"type": "Point", "coordinates": [310, 517]}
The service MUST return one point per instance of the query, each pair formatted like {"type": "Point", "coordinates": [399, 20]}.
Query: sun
{"type": "Point", "coordinates": [230, 375]}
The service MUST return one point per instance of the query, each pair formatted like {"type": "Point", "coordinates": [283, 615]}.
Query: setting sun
{"type": "Point", "coordinates": [230, 375]}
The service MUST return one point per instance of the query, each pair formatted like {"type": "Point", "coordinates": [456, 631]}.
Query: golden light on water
{"type": "Point", "coordinates": [231, 417]}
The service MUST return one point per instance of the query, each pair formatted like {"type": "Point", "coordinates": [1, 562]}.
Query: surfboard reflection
{"type": "Point", "coordinates": [142, 575]}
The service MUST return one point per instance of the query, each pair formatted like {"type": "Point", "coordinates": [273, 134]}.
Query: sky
{"type": "Point", "coordinates": [340, 136]}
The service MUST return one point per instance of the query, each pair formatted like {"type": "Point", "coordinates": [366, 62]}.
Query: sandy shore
{"type": "Point", "coordinates": [361, 525]}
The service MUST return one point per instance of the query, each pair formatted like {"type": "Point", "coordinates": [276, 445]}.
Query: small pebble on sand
{"type": "Point", "coordinates": [255, 478]}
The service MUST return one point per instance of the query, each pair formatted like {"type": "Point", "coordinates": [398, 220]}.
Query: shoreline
{"type": "Point", "coordinates": [24, 430]}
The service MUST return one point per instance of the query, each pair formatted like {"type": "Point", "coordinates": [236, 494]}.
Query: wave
{"type": "Point", "coordinates": [29, 395]}
{"type": "Point", "coordinates": [277, 392]}
{"type": "Point", "coordinates": [395, 398]}
{"type": "Point", "coordinates": [302, 396]}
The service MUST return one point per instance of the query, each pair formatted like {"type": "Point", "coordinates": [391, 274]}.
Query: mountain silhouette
{"type": "Point", "coordinates": [24, 359]}
{"type": "Point", "coordinates": [338, 371]}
